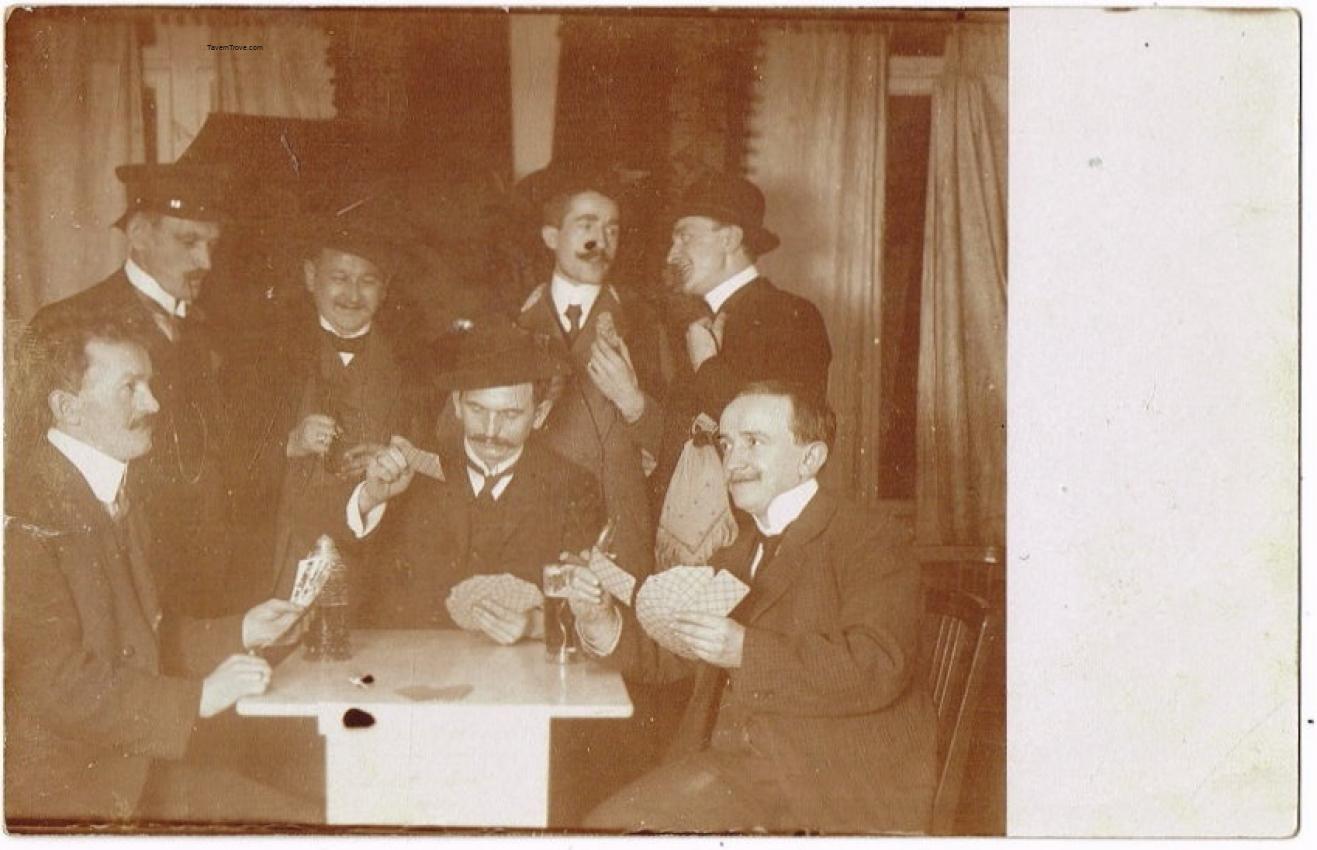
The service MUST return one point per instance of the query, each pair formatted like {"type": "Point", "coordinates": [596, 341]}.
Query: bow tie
{"type": "Point", "coordinates": [344, 345]}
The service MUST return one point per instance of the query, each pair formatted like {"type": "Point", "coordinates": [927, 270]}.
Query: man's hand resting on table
{"type": "Point", "coordinates": [236, 677]}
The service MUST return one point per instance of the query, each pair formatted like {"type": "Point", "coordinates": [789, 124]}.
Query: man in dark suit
{"type": "Point", "coordinates": [172, 223]}
{"type": "Point", "coordinates": [806, 713]}
{"type": "Point", "coordinates": [753, 331]}
{"type": "Point", "coordinates": [508, 504]}
{"type": "Point", "coordinates": [334, 387]}
{"type": "Point", "coordinates": [599, 408]}
{"type": "Point", "coordinates": [95, 724]}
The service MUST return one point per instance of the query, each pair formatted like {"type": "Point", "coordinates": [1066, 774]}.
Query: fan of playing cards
{"type": "Point", "coordinates": [680, 589]}
{"type": "Point", "coordinates": [505, 589]}
{"type": "Point", "coordinates": [313, 572]}
{"type": "Point", "coordinates": [617, 581]}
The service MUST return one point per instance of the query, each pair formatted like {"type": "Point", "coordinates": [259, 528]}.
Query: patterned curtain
{"type": "Point", "coordinates": [961, 483]}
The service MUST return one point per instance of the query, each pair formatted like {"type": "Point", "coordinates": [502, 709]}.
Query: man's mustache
{"type": "Point", "coordinates": [494, 442]}
{"type": "Point", "coordinates": [141, 423]}
{"type": "Point", "coordinates": [591, 254]}
{"type": "Point", "coordinates": [742, 477]}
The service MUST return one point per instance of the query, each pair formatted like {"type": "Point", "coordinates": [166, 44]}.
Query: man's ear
{"type": "Point", "coordinates": [136, 229]}
{"type": "Point", "coordinates": [64, 407]}
{"type": "Point", "coordinates": [732, 236]}
{"type": "Point", "coordinates": [542, 409]}
{"type": "Point", "coordinates": [309, 275]}
{"type": "Point", "coordinates": [550, 234]}
{"type": "Point", "coordinates": [816, 454]}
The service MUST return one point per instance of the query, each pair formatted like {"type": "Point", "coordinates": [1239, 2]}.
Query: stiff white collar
{"type": "Point", "coordinates": [103, 473]}
{"type": "Point", "coordinates": [718, 296]}
{"type": "Point", "coordinates": [477, 472]}
{"type": "Point", "coordinates": [148, 286]}
{"type": "Point", "coordinates": [566, 292]}
{"type": "Point", "coordinates": [787, 507]}
{"type": "Point", "coordinates": [324, 323]}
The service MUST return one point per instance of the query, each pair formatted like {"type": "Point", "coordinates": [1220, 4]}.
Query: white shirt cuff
{"type": "Point", "coordinates": [363, 526]}
{"type": "Point", "coordinates": [603, 651]}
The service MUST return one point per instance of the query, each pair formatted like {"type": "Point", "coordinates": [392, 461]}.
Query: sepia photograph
{"type": "Point", "coordinates": [560, 421]}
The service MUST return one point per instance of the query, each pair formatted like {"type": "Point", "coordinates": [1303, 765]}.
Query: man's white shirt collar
{"type": "Point", "coordinates": [103, 473]}
{"type": "Point", "coordinates": [565, 292]}
{"type": "Point", "coordinates": [148, 286]}
{"type": "Point", "coordinates": [787, 507]}
{"type": "Point", "coordinates": [324, 323]}
{"type": "Point", "coordinates": [718, 296]}
{"type": "Point", "coordinates": [345, 356]}
{"type": "Point", "coordinates": [477, 471]}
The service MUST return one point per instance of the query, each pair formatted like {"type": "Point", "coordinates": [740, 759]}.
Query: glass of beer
{"type": "Point", "coordinates": [559, 624]}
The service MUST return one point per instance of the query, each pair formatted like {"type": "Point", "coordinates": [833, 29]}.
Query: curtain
{"type": "Point", "coordinates": [290, 77]}
{"type": "Point", "coordinates": [818, 152]}
{"type": "Point", "coordinates": [74, 76]}
{"type": "Point", "coordinates": [961, 445]}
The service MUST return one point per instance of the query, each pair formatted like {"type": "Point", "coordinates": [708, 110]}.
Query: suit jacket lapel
{"type": "Point", "coordinates": [382, 381]}
{"type": "Point", "coordinates": [776, 577]}
{"type": "Point", "coordinates": [538, 315]}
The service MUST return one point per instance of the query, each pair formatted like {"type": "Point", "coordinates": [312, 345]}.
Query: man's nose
{"type": "Point", "coordinates": [489, 428]}
{"type": "Point", "coordinates": [201, 257]}
{"type": "Point", "coordinates": [673, 252]}
{"type": "Point", "coordinates": [148, 403]}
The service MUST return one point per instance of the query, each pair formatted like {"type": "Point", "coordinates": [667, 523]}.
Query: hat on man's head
{"type": "Point", "coordinates": [366, 223]}
{"type": "Point", "coordinates": [564, 177]}
{"type": "Point", "coordinates": [492, 351]}
{"type": "Point", "coordinates": [194, 192]}
{"type": "Point", "coordinates": [731, 200]}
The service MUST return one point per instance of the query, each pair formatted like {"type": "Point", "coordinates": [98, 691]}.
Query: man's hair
{"type": "Point", "coordinates": [54, 357]}
{"type": "Point", "coordinates": [812, 420]}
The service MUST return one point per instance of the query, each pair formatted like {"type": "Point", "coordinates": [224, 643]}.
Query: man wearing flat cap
{"type": "Point", "coordinates": [172, 223]}
{"type": "Point", "coordinates": [753, 331]}
{"type": "Point", "coordinates": [333, 385]}
{"type": "Point", "coordinates": [602, 419]}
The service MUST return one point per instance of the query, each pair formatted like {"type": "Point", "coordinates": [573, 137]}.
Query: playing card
{"type": "Point", "coordinates": [607, 329]}
{"type": "Point", "coordinates": [312, 573]}
{"type": "Point", "coordinates": [426, 463]}
{"type": "Point", "coordinates": [505, 589]}
{"type": "Point", "coordinates": [617, 581]}
{"type": "Point", "coordinates": [679, 589]}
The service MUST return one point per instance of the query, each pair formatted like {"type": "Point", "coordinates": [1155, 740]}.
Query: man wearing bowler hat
{"type": "Point", "coordinates": [753, 331]}
{"type": "Point", "coordinates": [334, 385]}
{"type": "Point", "coordinates": [172, 223]}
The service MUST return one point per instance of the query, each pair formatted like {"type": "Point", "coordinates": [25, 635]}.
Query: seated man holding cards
{"type": "Point", "coordinates": [806, 714]}
{"type": "Point", "coordinates": [471, 548]}
{"type": "Point", "coordinates": [96, 726]}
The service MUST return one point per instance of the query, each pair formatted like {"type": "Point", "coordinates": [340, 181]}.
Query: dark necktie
{"type": "Point", "coordinates": [344, 345]}
{"type": "Point", "coordinates": [485, 498]}
{"type": "Point", "coordinates": [573, 314]}
{"type": "Point", "coordinates": [766, 544]}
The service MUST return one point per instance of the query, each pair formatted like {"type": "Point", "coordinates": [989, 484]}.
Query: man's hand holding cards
{"type": "Point", "coordinates": [611, 371]}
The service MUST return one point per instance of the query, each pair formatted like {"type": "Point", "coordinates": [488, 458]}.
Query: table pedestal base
{"type": "Point", "coordinates": [414, 767]}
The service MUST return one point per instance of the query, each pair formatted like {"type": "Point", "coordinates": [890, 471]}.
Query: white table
{"type": "Point", "coordinates": [479, 760]}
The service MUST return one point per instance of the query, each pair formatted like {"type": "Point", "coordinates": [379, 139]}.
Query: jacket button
{"type": "Point", "coordinates": [128, 651]}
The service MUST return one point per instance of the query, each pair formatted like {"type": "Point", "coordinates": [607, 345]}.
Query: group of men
{"type": "Point", "coordinates": [160, 467]}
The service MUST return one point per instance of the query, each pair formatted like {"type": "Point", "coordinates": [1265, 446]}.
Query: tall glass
{"type": "Point", "coordinates": [559, 623]}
